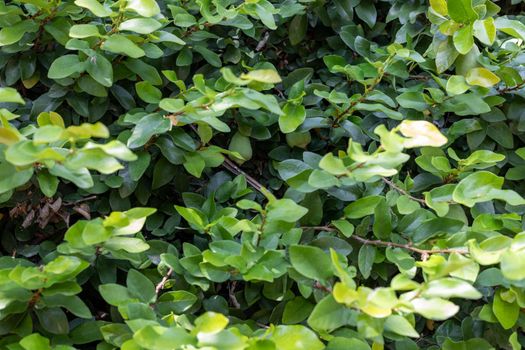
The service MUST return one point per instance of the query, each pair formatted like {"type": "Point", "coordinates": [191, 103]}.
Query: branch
{"type": "Point", "coordinates": [86, 199]}
{"type": "Point", "coordinates": [402, 191]}
{"type": "Point", "coordinates": [512, 88]}
{"type": "Point", "coordinates": [231, 294]}
{"type": "Point", "coordinates": [232, 167]}
{"type": "Point", "coordinates": [424, 252]}
{"type": "Point", "coordinates": [162, 282]}
{"type": "Point", "coordinates": [319, 286]}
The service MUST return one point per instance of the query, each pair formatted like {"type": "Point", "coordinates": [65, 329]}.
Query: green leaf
{"type": "Point", "coordinates": [293, 117]}
{"type": "Point", "coordinates": [147, 127]}
{"type": "Point", "coordinates": [513, 340]}
{"type": "Point", "coordinates": [13, 33]}
{"type": "Point", "coordinates": [94, 6]}
{"type": "Point", "coordinates": [333, 165]}
{"type": "Point", "coordinates": [210, 323]}
{"type": "Point", "coordinates": [53, 320]}
{"type": "Point", "coordinates": [483, 186]}
{"type": "Point", "coordinates": [440, 6]}
{"type": "Point", "coordinates": [35, 341]}
{"type": "Point", "coordinates": [295, 338]}
{"type": "Point", "coordinates": [10, 178]}
{"type": "Point", "coordinates": [146, 8]}
{"type": "Point", "coordinates": [456, 85]}
{"type": "Point", "coordinates": [346, 228]}
{"type": "Point", "coordinates": [485, 31]}
{"type": "Point", "coordinates": [140, 286]}
{"type": "Point", "coordinates": [157, 337]}
{"type": "Point", "coordinates": [461, 11]}
{"type": "Point", "coordinates": [72, 303]}
{"type": "Point", "coordinates": [344, 343]}
{"type": "Point", "coordinates": [475, 343]}
{"type": "Point", "coordinates": [311, 262]}
{"type": "Point", "coordinates": [193, 216]}
{"type": "Point", "coordinates": [176, 301]}
{"type": "Point", "coordinates": [83, 31]}
{"type": "Point", "coordinates": [65, 66]}
{"type": "Point", "coordinates": [362, 207]}
{"type": "Point", "coordinates": [140, 25]}
{"type": "Point", "coordinates": [297, 29]}
{"type": "Point", "coordinates": [120, 44]}
{"type": "Point", "coordinates": [328, 315]}
{"type": "Point", "coordinates": [513, 265]}
{"type": "Point", "coordinates": [265, 14]}
{"type": "Point", "coordinates": [451, 288]}
{"type": "Point", "coordinates": [147, 92]}
{"type": "Point", "coordinates": [242, 145]}
{"type": "Point", "coordinates": [506, 313]}
{"type": "Point", "coordinates": [10, 95]}
{"type": "Point", "coordinates": [400, 325]}
{"type": "Point", "coordinates": [114, 294]}
{"type": "Point", "coordinates": [435, 308]}
{"type": "Point", "coordinates": [463, 39]}
{"type": "Point", "coordinates": [100, 69]}
{"type": "Point", "coordinates": [297, 310]}
{"type": "Point", "coordinates": [446, 54]}
{"type": "Point", "coordinates": [285, 210]}
{"type": "Point", "coordinates": [511, 27]}
{"type": "Point", "coordinates": [365, 260]}
{"type": "Point", "coordinates": [436, 226]}
{"type": "Point", "coordinates": [366, 11]}
{"type": "Point", "coordinates": [48, 183]}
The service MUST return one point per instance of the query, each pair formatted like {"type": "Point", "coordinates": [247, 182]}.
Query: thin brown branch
{"type": "Point", "coordinates": [162, 282]}
{"type": "Point", "coordinates": [90, 198]}
{"type": "Point", "coordinates": [231, 166]}
{"type": "Point", "coordinates": [424, 252]}
{"type": "Point", "coordinates": [319, 286]}
{"type": "Point", "coordinates": [511, 88]}
{"type": "Point", "coordinates": [403, 191]}
{"type": "Point", "coordinates": [231, 294]}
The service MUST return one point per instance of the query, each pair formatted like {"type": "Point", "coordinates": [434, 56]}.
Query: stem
{"type": "Point", "coordinates": [424, 252]}
{"type": "Point", "coordinates": [90, 198]}
{"type": "Point", "coordinates": [161, 284]}
{"type": "Point", "coordinates": [319, 286]}
{"type": "Point", "coordinates": [231, 166]}
{"type": "Point", "coordinates": [404, 192]}
{"type": "Point", "coordinates": [368, 89]}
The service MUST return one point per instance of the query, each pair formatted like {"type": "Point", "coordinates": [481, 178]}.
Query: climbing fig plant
{"type": "Point", "coordinates": [262, 174]}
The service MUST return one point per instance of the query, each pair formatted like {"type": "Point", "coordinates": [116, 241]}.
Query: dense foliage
{"type": "Point", "coordinates": [262, 175]}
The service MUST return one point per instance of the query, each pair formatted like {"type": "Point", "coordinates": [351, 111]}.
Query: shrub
{"type": "Point", "coordinates": [261, 175]}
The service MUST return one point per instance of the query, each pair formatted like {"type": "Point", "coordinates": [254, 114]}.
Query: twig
{"type": "Point", "coordinates": [231, 294]}
{"type": "Point", "coordinates": [512, 88]}
{"type": "Point", "coordinates": [90, 198]}
{"type": "Point", "coordinates": [363, 97]}
{"type": "Point", "coordinates": [231, 166]}
{"type": "Point", "coordinates": [423, 252]}
{"type": "Point", "coordinates": [319, 286]}
{"type": "Point", "coordinates": [162, 282]}
{"type": "Point", "coordinates": [263, 42]}
{"type": "Point", "coordinates": [404, 192]}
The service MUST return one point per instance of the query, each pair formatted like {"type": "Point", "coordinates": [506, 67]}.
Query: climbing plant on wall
{"type": "Point", "coordinates": [262, 175]}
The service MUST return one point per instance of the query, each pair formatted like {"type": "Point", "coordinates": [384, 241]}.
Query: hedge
{"type": "Point", "coordinates": [262, 175]}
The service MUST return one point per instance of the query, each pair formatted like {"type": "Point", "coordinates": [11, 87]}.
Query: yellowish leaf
{"type": "Point", "coordinates": [482, 77]}
{"type": "Point", "coordinates": [421, 133]}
